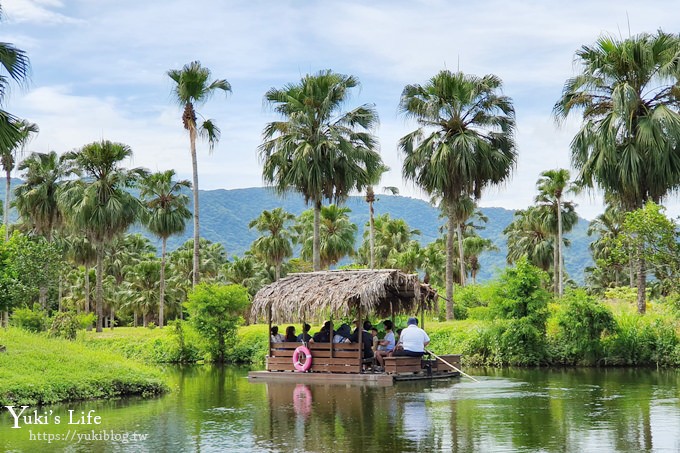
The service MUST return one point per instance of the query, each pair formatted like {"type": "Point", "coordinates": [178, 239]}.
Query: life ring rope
{"type": "Point", "coordinates": [297, 355]}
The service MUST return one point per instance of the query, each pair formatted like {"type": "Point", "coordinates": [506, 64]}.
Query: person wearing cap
{"type": "Point", "coordinates": [413, 340]}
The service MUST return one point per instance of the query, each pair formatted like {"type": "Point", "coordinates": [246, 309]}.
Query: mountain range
{"type": "Point", "coordinates": [225, 215]}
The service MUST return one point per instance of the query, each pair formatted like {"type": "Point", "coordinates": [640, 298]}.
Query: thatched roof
{"type": "Point", "coordinates": [341, 293]}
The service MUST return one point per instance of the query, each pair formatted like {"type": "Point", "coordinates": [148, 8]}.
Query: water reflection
{"type": "Point", "coordinates": [217, 409]}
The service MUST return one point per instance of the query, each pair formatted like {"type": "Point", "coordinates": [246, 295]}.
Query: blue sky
{"type": "Point", "coordinates": [99, 71]}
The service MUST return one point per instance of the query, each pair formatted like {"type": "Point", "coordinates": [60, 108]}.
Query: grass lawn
{"type": "Point", "coordinates": [35, 369]}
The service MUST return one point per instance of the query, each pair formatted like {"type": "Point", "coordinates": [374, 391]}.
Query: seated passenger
{"type": "Point", "coordinates": [387, 344]}
{"type": "Point", "coordinates": [412, 340]}
{"type": "Point", "coordinates": [365, 338]}
{"type": "Point", "coordinates": [305, 336]}
{"type": "Point", "coordinates": [342, 334]}
{"type": "Point", "coordinates": [323, 335]}
{"type": "Point", "coordinates": [276, 337]}
{"type": "Point", "coordinates": [375, 339]}
{"type": "Point", "coordinates": [290, 334]}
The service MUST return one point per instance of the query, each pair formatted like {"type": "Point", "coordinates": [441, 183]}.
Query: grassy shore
{"type": "Point", "coordinates": [39, 370]}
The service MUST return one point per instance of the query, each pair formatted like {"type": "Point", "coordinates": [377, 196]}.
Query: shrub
{"type": "Point", "coordinates": [35, 320]}
{"type": "Point", "coordinates": [151, 325]}
{"type": "Point", "coordinates": [520, 294]}
{"type": "Point", "coordinates": [215, 311]}
{"type": "Point", "coordinates": [581, 322]}
{"type": "Point", "coordinates": [643, 340]}
{"type": "Point", "coordinates": [65, 325]}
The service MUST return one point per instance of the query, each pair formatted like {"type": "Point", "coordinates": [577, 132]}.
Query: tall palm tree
{"type": "Point", "coordinates": [319, 150]}
{"type": "Point", "coordinates": [370, 199]}
{"type": "Point", "coordinates": [277, 246]}
{"type": "Point", "coordinates": [464, 143]}
{"type": "Point", "coordinates": [551, 187]}
{"type": "Point", "coordinates": [101, 205]}
{"type": "Point", "coordinates": [626, 92]}
{"type": "Point", "coordinates": [8, 158]}
{"type": "Point", "coordinates": [36, 198]}
{"type": "Point", "coordinates": [194, 87]}
{"type": "Point", "coordinates": [167, 214]}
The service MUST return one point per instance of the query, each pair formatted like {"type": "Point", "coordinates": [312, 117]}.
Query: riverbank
{"type": "Point", "coordinates": [37, 370]}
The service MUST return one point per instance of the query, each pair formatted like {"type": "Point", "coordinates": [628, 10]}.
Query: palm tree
{"type": "Point", "coordinates": [8, 157]}
{"type": "Point", "coordinates": [551, 187]}
{"type": "Point", "coordinates": [336, 233]}
{"type": "Point", "coordinates": [36, 198]}
{"type": "Point", "coordinates": [275, 247]}
{"type": "Point", "coordinates": [370, 199]}
{"type": "Point", "coordinates": [122, 253]}
{"type": "Point", "coordinates": [167, 214]}
{"type": "Point", "coordinates": [14, 66]}
{"type": "Point", "coordinates": [529, 236]}
{"type": "Point", "coordinates": [319, 150]}
{"type": "Point", "coordinates": [100, 205]}
{"type": "Point", "coordinates": [464, 143]}
{"type": "Point", "coordinates": [194, 87]}
{"type": "Point", "coordinates": [627, 144]}
{"type": "Point", "coordinates": [392, 236]}
{"type": "Point", "coordinates": [607, 227]}
{"type": "Point", "coordinates": [473, 247]}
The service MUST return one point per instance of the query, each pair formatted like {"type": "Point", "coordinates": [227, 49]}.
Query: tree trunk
{"type": "Point", "coordinates": [277, 271]}
{"type": "Point", "coordinates": [112, 319]}
{"type": "Point", "coordinates": [461, 254]}
{"type": "Point", "coordinates": [371, 234]}
{"type": "Point", "coordinates": [161, 300]}
{"type": "Point", "coordinates": [316, 241]}
{"type": "Point", "coordinates": [556, 265]}
{"type": "Point", "coordinates": [87, 293]}
{"type": "Point", "coordinates": [6, 210]}
{"type": "Point", "coordinates": [641, 282]}
{"type": "Point", "coordinates": [144, 321]}
{"type": "Point", "coordinates": [99, 290]}
{"type": "Point", "coordinates": [134, 318]}
{"type": "Point", "coordinates": [560, 258]}
{"type": "Point", "coordinates": [449, 265]}
{"type": "Point", "coordinates": [194, 167]}
{"type": "Point", "coordinates": [631, 272]}
{"type": "Point", "coordinates": [5, 319]}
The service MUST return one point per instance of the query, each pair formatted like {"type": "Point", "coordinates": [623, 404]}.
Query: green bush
{"type": "Point", "coordinates": [65, 325]}
{"type": "Point", "coordinates": [250, 346]}
{"type": "Point", "coordinates": [35, 320]}
{"type": "Point", "coordinates": [581, 322]}
{"type": "Point", "coordinates": [215, 311]}
{"type": "Point", "coordinates": [520, 294]}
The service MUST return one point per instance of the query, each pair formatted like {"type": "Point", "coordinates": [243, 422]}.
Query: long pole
{"type": "Point", "coordinates": [447, 363]}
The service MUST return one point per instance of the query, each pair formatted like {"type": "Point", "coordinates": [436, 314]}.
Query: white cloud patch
{"type": "Point", "coordinates": [36, 11]}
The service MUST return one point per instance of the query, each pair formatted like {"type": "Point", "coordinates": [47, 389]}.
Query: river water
{"type": "Point", "coordinates": [514, 410]}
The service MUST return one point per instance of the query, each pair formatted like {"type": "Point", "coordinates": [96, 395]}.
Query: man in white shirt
{"type": "Point", "coordinates": [413, 340]}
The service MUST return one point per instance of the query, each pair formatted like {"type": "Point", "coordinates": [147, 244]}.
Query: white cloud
{"type": "Point", "coordinates": [99, 70]}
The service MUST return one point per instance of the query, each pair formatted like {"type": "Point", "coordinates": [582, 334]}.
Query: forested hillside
{"type": "Point", "coordinates": [225, 215]}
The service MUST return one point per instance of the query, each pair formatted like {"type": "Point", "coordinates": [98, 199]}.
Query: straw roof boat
{"type": "Point", "coordinates": [343, 293]}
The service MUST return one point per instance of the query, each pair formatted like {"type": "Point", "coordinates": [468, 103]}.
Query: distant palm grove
{"type": "Point", "coordinates": [71, 250]}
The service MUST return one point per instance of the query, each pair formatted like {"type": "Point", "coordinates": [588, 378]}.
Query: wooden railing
{"type": "Point", "coordinates": [343, 358]}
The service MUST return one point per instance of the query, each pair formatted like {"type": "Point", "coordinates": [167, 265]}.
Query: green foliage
{"type": "Point", "coordinates": [187, 352]}
{"type": "Point", "coordinates": [151, 325]}
{"type": "Point", "coordinates": [215, 310]}
{"type": "Point", "coordinates": [250, 346]}
{"type": "Point", "coordinates": [65, 324]}
{"type": "Point", "coordinates": [35, 320]}
{"type": "Point", "coordinates": [520, 294]}
{"type": "Point", "coordinates": [36, 370]}
{"type": "Point", "coordinates": [581, 322]}
{"type": "Point", "coordinates": [643, 340]}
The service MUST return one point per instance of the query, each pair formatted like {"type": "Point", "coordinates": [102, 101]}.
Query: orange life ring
{"type": "Point", "coordinates": [307, 364]}
{"type": "Point", "coordinates": [302, 400]}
